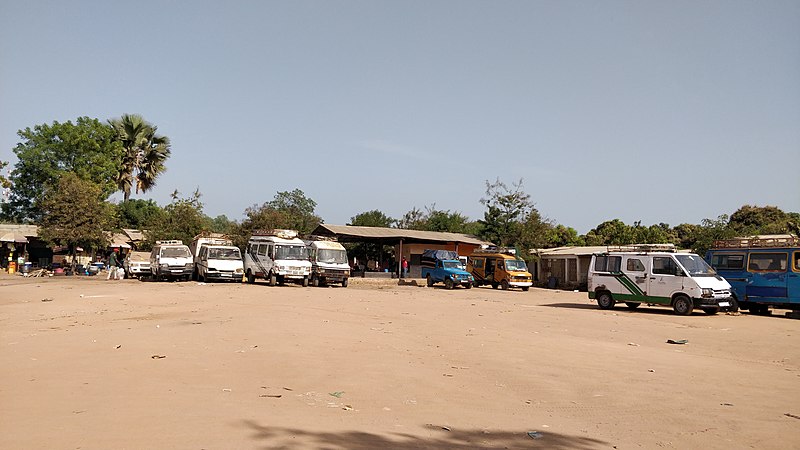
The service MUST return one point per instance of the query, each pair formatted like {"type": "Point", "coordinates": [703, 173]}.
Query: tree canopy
{"type": "Point", "coordinates": [86, 148]}
{"type": "Point", "coordinates": [372, 218]}
{"type": "Point", "coordinates": [144, 156]}
{"type": "Point", "coordinates": [74, 214]}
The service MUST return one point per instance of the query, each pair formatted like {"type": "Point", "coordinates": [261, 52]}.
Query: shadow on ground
{"type": "Point", "coordinates": [291, 438]}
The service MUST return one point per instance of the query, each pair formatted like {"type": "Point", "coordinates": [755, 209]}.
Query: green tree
{"type": "Point", "coordinates": [372, 218]}
{"type": "Point", "coordinates": [182, 219]}
{"type": "Point", "coordinates": [74, 214]}
{"type": "Point", "coordinates": [144, 156]}
{"type": "Point", "coordinates": [221, 224]}
{"type": "Point", "coordinates": [288, 210]}
{"type": "Point", "coordinates": [298, 210]}
{"type": "Point", "coordinates": [413, 220]}
{"type": "Point", "coordinates": [751, 220]}
{"type": "Point", "coordinates": [711, 230]}
{"type": "Point", "coordinates": [506, 209]}
{"type": "Point", "coordinates": [563, 236]}
{"type": "Point", "coordinates": [4, 182]}
{"type": "Point", "coordinates": [138, 214]}
{"type": "Point", "coordinates": [686, 235]}
{"type": "Point", "coordinates": [86, 148]}
{"type": "Point", "coordinates": [611, 232]}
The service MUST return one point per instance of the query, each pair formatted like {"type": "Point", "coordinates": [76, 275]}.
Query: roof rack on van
{"type": "Point", "coordinates": [764, 240]}
{"type": "Point", "coordinates": [173, 241]}
{"type": "Point", "coordinates": [283, 234]}
{"type": "Point", "coordinates": [496, 249]}
{"type": "Point", "coordinates": [317, 237]}
{"type": "Point", "coordinates": [643, 248]}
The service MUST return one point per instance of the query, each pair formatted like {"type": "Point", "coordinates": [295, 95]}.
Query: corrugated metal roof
{"type": "Point", "coordinates": [396, 234]}
{"type": "Point", "coordinates": [134, 235]}
{"type": "Point", "coordinates": [24, 229]}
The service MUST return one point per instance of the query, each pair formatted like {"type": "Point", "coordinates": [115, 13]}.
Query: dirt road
{"type": "Point", "coordinates": [91, 364]}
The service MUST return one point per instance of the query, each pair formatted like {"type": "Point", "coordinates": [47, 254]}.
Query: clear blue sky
{"type": "Point", "coordinates": [639, 110]}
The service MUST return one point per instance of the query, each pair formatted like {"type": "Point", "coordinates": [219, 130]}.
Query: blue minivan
{"type": "Point", "coordinates": [763, 271]}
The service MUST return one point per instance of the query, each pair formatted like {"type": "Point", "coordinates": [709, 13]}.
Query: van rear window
{"type": "Point", "coordinates": [607, 263]}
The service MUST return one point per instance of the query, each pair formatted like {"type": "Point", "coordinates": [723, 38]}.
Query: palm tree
{"type": "Point", "coordinates": [145, 153]}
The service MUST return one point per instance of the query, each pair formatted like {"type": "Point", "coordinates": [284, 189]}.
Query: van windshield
{"type": "Point", "coordinates": [325, 255]}
{"type": "Point", "coordinates": [175, 252]}
{"type": "Point", "coordinates": [224, 253]}
{"type": "Point", "coordinates": [695, 265]}
{"type": "Point", "coordinates": [298, 252]}
{"type": "Point", "coordinates": [516, 265]}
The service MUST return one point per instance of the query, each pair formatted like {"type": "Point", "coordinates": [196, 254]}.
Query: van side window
{"type": "Point", "coordinates": [607, 263]}
{"type": "Point", "coordinates": [797, 261]}
{"type": "Point", "coordinates": [727, 262]}
{"type": "Point", "coordinates": [262, 249]}
{"type": "Point", "coordinates": [269, 251]}
{"type": "Point", "coordinates": [767, 262]}
{"type": "Point", "coordinates": [634, 265]}
{"type": "Point", "coordinates": [477, 263]}
{"type": "Point", "coordinates": [664, 265]}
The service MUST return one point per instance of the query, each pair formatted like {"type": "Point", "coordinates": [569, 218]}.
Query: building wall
{"type": "Point", "coordinates": [413, 253]}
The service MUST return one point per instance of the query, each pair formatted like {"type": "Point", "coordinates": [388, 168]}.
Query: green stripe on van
{"type": "Point", "coordinates": [629, 284]}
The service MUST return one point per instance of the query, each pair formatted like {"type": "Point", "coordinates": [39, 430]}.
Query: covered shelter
{"type": "Point", "coordinates": [565, 267]}
{"type": "Point", "coordinates": [20, 243]}
{"type": "Point", "coordinates": [407, 243]}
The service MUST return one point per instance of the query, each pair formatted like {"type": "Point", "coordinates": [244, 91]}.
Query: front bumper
{"type": "Point", "coordinates": [520, 283]}
{"type": "Point", "coordinates": [224, 276]}
{"type": "Point", "coordinates": [722, 303]}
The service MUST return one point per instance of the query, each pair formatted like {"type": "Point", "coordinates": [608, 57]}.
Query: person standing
{"type": "Point", "coordinates": [112, 266]}
{"type": "Point", "coordinates": [405, 267]}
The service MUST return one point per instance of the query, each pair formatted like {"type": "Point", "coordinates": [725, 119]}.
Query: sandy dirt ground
{"type": "Point", "coordinates": [90, 364]}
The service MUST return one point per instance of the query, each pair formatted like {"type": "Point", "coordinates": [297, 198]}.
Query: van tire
{"type": "Point", "coordinates": [525, 288]}
{"type": "Point", "coordinates": [504, 285]}
{"type": "Point", "coordinates": [273, 279]}
{"type": "Point", "coordinates": [682, 305]}
{"type": "Point", "coordinates": [429, 280]}
{"type": "Point", "coordinates": [711, 311]}
{"type": "Point", "coordinates": [305, 282]}
{"type": "Point", "coordinates": [734, 305]}
{"type": "Point", "coordinates": [605, 300]}
{"type": "Point", "coordinates": [448, 283]}
{"type": "Point", "coordinates": [250, 278]}
{"type": "Point", "coordinates": [468, 286]}
{"type": "Point", "coordinates": [344, 282]}
{"type": "Point", "coordinates": [315, 281]}
{"type": "Point", "coordinates": [633, 305]}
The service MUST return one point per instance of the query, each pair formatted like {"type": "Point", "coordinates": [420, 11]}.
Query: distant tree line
{"type": "Point", "coordinates": [66, 173]}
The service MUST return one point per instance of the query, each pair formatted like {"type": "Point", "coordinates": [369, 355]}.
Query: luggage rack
{"type": "Point", "coordinates": [765, 240]}
{"type": "Point", "coordinates": [493, 249]}
{"type": "Point", "coordinates": [283, 234]}
{"type": "Point", "coordinates": [642, 248]}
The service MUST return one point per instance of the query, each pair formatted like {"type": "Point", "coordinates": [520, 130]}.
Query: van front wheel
{"type": "Point", "coordinates": [273, 279]}
{"type": "Point", "coordinates": [633, 305]}
{"type": "Point", "coordinates": [250, 277]}
{"type": "Point", "coordinates": [605, 301]}
{"type": "Point", "coordinates": [683, 305]}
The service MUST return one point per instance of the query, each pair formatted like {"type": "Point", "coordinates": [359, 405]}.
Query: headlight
{"type": "Point", "coordinates": [165, 266]}
{"type": "Point", "coordinates": [707, 293]}
{"type": "Point", "coordinates": [239, 270]}
{"type": "Point", "coordinates": [189, 265]}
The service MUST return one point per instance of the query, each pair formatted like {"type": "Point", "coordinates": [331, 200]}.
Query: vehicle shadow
{"type": "Point", "coordinates": [292, 438]}
{"type": "Point", "coordinates": [572, 305]}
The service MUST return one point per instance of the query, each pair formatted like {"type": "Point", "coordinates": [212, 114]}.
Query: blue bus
{"type": "Point", "coordinates": [763, 271]}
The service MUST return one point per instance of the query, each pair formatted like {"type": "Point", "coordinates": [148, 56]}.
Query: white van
{"type": "Point", "coordinates": [219, 262]}
{"type": "Point", "coordinates": [681, 280]}
{"type": "Point", "coordinates": [202, 240]}
{"type": "Point", "coordinates": [328, 263]}
{"type": "Point", "coordinates": [277, 256]}
{"type": "Point", "coordinates": [171, 260]}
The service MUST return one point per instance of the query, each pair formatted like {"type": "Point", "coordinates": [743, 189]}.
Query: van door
{"type": "Point", "coordinates": [663, 280]}
{"type": "Point", "coordinates": [767, 276]}
{"type": "Point", "coordinates": [636, 268]}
